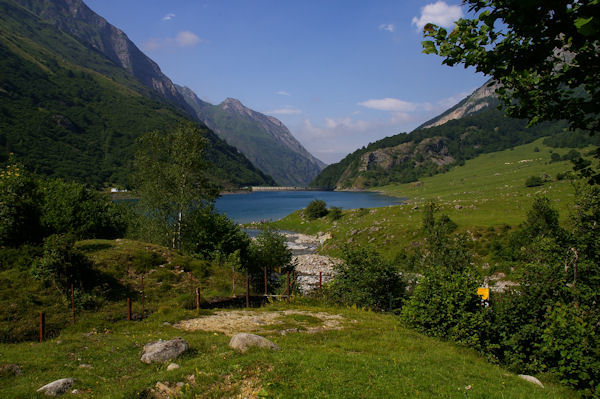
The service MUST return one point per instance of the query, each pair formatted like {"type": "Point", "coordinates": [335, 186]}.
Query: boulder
{"type": "Point", "coordinates": [161, 351]}
{"type": "Point", "coordinates": [531, 379]}
{"type": "Point", "coordinates": [57, 387]}
{"type": "Point", "coordinates": [243, 341]}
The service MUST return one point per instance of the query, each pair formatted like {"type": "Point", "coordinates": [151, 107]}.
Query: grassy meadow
{"type": "Point", "coordinates": [372, 356]}
{"type": "Point", "coordinates": [485, 196]}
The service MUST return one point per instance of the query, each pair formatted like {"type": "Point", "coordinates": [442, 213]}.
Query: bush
{"type": "Point", "coordinates": [534, 181]}
{"type": "Point", "coordinates": [269, 251]}
{"type": "Point", "coordinates": [316, 209]}
{"type": "Point", "coordinates": [335, 213]}
{"type": "Point", "coordinates": [76, 209]}
{"type": "Point", "coordinates": [62, 264]}
{"type": "Point", "coordinates": [20, 200]}
{"type": "Point", "coordinates": [365, 279]}
{"type": "Point", "coordinates": [211, 234]}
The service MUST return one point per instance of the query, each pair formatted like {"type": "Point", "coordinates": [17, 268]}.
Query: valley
{"type": "Point", "coordinates": [451, 248]}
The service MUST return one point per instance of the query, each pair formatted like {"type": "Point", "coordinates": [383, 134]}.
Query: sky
{"type": "Point", "coordinates": [339, 73]}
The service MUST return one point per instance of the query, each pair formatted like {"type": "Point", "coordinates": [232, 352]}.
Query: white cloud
{"type": "Point", "coordinates": [168, 17]}
{"type": "Point", "coordinates": [283, 93]}
{"type": "Point", "coordinates": [285, 111]}
{"type": "Point", "coordinates": [389, 104]}
{"type": "Point", "coordinates": [186, 38]}
{"type": "Point", "coordinates": [183, 39]}
{"type": "Point", "coordinates": [438, 13]}
{"type": "Point", "coordinates": [387, 27]}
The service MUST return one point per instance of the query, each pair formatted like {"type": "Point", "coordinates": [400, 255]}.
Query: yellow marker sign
{"type": "Point", "coordinates": [484, 293]}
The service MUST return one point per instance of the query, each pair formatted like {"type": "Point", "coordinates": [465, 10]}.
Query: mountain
{"type": "Point", "coordinates": [79, 21]}
{"type": "Point", "coordinates": [474, 126]}
{"type": "Point", "coordinates": [68, 110]}
{"type": "Point", "coordinates": [265, 140]}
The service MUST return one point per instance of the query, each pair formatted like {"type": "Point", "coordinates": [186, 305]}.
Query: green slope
{"type": "Point", "coordinates": [487, 192]}
{"type": "Point", "coordinates": [62, 117]}
{"type": "Point", "coordinates": [481, 132]}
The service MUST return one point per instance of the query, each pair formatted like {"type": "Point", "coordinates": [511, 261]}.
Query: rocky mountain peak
{"type": "Point", "coordinates": [75, 18]}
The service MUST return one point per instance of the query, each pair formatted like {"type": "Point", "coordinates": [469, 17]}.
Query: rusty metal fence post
{"type": "Point", "coordinates": [265, 269]}
{"type": "Point", "coordinates": [198, 299]}
{"type": "Point", "coordinates": [73, 302]}
{"type": "Point", "coordinates": [247, 291]}
{"type": "Point", "coordinates": [288, 286]}
{"type": "Point", "coordinates": [320, 282]}
{"type": "Point", "coordinates": [143, 297]}
{"type": "Point", "coordinates": [42, 325]}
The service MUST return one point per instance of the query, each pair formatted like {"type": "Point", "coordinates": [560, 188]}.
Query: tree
{"type": "Point", "coordinates": [365, 279]}
{"type": "Point", "coordinates": [19, 206]}
{"type": "Point", "coordinates": [268, 251]}
{"type": "Point", "coordinates": [544, 54]}
{"type": "Point", "coordinates": [316, 209]}
{"type": "Point", "coordinates": [171, 178]}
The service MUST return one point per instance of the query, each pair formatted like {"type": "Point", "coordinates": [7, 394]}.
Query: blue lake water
{"type": "Point", "coordinates": [274, 205]}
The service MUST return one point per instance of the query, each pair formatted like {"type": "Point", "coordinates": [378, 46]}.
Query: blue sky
{"type": "Point", "coordinates": [339, 73]}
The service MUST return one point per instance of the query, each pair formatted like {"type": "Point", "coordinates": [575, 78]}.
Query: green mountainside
{"type": "Point", "coordinates": [474, 126]}
{"type": "Point", "coordinates": [265, 140]}
{"type": "Point", "coordinates": [66, 110]}
{"type": "Point", "coordinates": [76, 19]}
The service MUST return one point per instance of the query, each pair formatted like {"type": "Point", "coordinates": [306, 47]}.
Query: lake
{"type": "Point", "coordinates": [274, 205]}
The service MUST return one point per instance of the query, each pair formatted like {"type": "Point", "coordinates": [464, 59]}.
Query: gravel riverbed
{"type": "Point", "coordinates": [308, 263]}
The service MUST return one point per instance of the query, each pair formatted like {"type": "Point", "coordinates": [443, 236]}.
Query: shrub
{"type": "Point", "coordinates": [365, 279]}
{"type": "Point", "coordinates": [269, 251]}
{"type": "Point", "coordinates": [316, 209]}
{"type": "Point", "coordinates": [73, 208]}
{"type": "Point", "coordinates": [533, 181]}
{"type": "Point", "coordinates": [211, 234]}
{"type": "Point", "coordinates": [335, 213]}
{"type": "Point", "coordinates": [19, 206]}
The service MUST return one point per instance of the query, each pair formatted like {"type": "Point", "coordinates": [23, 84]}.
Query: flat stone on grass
{"type": "Point", "coordinates": [244, 341]}
{"type": "Point", "coordinates": [161, 351]}
{"type": "Point", "coordinates": [57, 387]}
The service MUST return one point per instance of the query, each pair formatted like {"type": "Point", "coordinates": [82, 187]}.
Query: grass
{"type": "Point", "coordinates": [372, 357]}
{"type": "Point", "coordinates": [483, 196]}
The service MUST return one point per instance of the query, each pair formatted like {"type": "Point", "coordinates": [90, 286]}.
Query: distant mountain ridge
{"type": "Point", "coordinates": [265, 140]}
{"type": "Point", "coordinates": [67, 110]}
{"type": "Point", "coordinates": [473, 126]}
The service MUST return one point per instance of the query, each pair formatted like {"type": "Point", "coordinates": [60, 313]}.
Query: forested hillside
{"type": "Point", "coordinates": [68, 111]}
{"type": "Point", "coordinates": [426, 151]}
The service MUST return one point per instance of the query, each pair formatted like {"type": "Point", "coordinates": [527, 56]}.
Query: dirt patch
{"type": "Point", "coordinates": [282, 322]}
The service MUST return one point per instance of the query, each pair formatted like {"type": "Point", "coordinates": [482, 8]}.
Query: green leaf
{"type": "Point", "coordinates": [429, 47]}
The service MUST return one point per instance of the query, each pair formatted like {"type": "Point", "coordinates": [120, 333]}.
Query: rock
{"type": "Point", "coordinates": [86, 366]}
{"type": "Point", "coordinates": [10, 369]}
{"type": "Point", "coordinates": [531, 379]}
{"type": "Point", "coordinates": [75, 392]}
{"type": "Point", "coordinates": [57, 387]}
{"type": "Point", "coordinates": [243, 341]}
{"type": "Point", "coordinates": [172, 366]}
{"type": "Point", "coordinates": [458, 207]}
{"type": "Point", "coordinates": [161, 351]}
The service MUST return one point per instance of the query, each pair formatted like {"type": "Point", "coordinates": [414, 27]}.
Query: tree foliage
{"type": "Point", "coordinates": [316, 209]}
{"type": "Point", "coordinates": [544, 54]}
{"type": "Point", "coordinates": [365, 279]}
{"type": "Point", "coordinates": [172, 178]}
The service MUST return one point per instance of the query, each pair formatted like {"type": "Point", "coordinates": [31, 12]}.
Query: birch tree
{"type": "Point", "coordinates": [171, 175]}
